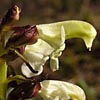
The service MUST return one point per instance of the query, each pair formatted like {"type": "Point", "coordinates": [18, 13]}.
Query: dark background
{"type": "Point", "coordinates": [77, 64]}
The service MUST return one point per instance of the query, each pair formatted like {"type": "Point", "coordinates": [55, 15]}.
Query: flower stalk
{"type": "Point", "coordinates": [3, 78]}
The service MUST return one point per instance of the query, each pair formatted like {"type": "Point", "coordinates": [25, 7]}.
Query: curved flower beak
{"type": "Point", "coordinates": [72, 29]}
{"type": "Point", "coordinates": [59, 90]}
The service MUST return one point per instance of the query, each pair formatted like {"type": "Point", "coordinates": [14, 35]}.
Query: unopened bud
{"type": "Point", "coordinates": [10, 18]}
{"type": "Point", "coordinates": [23, 36]}
{"type": "Point", "coordinates": [24, 91]}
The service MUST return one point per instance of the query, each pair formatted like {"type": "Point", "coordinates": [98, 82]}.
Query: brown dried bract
{"type": "Point", "coordinates": [25, 35]}
{"type": "Point", "coordinates": [24, 91]}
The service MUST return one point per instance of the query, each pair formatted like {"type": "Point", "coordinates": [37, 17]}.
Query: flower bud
{"type": "Point", "coordinates": [10, 18]}
{"type": "Point", "coordinates": [23, 36]}
{"type": "Point", "coordinates": [24, 91]}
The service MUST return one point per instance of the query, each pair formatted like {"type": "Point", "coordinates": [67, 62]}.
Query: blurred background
{"type": "Point", "coordinates": [77, 64]}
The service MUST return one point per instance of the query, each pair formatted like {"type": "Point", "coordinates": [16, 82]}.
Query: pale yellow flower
{"type": "Point", "coordinates": [51, 43]}
{"type": "Point", "coordinates": [59, 90]}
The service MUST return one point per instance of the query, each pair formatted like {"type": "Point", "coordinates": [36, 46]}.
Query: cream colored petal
{"type": "Point", "coordinates": [36, 55]}
{"type": "Point", "coordinates": [40, 47]}
{"type": "Point", "coordinates": [54, 64]}
{"type": "Point", "coordinates": [59, 90]}
{"type": "Point", "coordinates": [54, 58]}
{"type": "Point", "coordinates": [27, 72]}
{"type": "Point", "coordinates": [54, 36]}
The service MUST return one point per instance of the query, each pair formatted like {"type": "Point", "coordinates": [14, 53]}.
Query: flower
{"type": "Point", "coordinates": [59, 90]}
{"type": "Point", "coordinates": [51, 43]}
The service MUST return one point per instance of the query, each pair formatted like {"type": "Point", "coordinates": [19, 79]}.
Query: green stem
{"type": "Point", "coordinates": [3, 77]}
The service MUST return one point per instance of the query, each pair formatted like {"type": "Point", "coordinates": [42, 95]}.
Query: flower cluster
{"type": "Point", "coordinates": [35, 45]}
